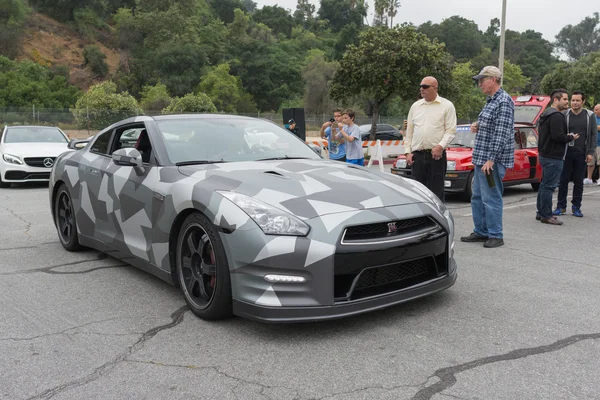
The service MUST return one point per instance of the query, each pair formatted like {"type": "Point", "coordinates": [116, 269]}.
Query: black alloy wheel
{"type": "Point", "coordinates": [202, 269]}
{"type": "Point", "coordinates": [66, 223]}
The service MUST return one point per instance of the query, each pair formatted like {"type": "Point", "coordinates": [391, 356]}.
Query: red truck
{"type": "Point", "coordinates": [459, 174]}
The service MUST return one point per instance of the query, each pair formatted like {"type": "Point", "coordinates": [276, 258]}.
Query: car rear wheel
{"type": "Point", "coordinates": [202, 269]}
{"type": "Point", "coordinates": [66, 224]}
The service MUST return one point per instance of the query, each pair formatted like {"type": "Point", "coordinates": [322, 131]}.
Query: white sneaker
{"type": "Point", "coordinates": [587, 181]}
{"type": "Point", "coordinates": [598, 182]}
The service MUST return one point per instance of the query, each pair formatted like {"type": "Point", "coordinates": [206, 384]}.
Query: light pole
{"type": "Point", "coordinates": [502, 29]}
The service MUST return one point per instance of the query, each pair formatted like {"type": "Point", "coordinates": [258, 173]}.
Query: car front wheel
{"type": "Point", "coordinates": [66, 224]}
{"type": "Point", "coordinates": [202, 269]}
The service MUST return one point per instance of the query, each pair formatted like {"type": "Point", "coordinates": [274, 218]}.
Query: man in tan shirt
{"type": "Point", "coordinates": [431, 127]}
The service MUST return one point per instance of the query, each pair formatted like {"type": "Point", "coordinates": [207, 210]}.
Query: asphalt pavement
{"type": "Point", "coordinates": [521, 322]}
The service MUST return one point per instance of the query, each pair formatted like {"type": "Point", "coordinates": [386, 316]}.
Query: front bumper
{"type": "Point", "coordinates": [307, 314]}
{"type": "Point", "coordinates": [454, 181]}
{"type": "Point", "coordinates": [14, 173]}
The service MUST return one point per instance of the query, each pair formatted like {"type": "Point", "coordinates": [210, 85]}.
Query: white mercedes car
{"type": "Point", "coordinates": [27, 153]}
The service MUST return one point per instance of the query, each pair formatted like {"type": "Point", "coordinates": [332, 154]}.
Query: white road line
{"type": "Point", "coordinates": [534, 202]}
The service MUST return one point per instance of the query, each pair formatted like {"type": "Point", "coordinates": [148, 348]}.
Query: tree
{"type": "Point", "coordinates": [462, 37]}
{"type": "Point", "coordinates": [389, 62]}
{"type": "Point", "coordinates": [102, 106]}
{"type": "Point", "coordinates": [318, 74]}
{"type": "Point", "coordinates": [304, 15]}
{"type": "Point", "coordinates": [224, 9]}
{"type": "Point", "coordinates": [94, 57]}
{"type": "Point", "coordinates": [276, 18]}
{"type": "Point", "coordinates": [581, 39]}
{"type": "Point", "coordinates": [190, 103]}
{"type": "Point", "coordinates": [155, 97]}
{"type": "Point", "coordinates": [223, 89]}
{"type": "Point", "coordinates": [13, 14]}
{"type": "Point", "coordinates": [340, 13]}
{"type": "Point", "coordinates": [385, 9]}
{"type": "Point", "coordinates": [584, 74]}
{"type": "Point", "coordinates": [468, 99]}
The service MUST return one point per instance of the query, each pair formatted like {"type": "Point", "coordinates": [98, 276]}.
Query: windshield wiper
{"type": "Point", "coordinates": [283, 158]}
{"type": "Point", "coordinates": [197, 162]}
{"type": "Point", "coordinates": [458, 145]}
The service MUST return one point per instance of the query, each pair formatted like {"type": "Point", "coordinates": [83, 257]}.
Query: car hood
{"type": "Point", "coordinates": [310, 188]}
{"type": "Point", "coordinates": [459, 153]}
{"type": "Point", "coordinates": [35, 149]}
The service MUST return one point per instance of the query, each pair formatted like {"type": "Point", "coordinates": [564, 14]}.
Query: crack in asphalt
{"type": "Point", "coordinates": [447, 375]}
{"type": "Point", "coordinates": [552, 258]}
{"type": "Point", "coordinates": [27, 223]}
{"type": "Point", "coordinates": [49, 270]}
{"type": "Point", "coordinates": [220, 372]}
{"type": "Point", "coordinates": [59, 333]}
{"type": "Point", "coordinates": [176, 319]}
{"type": "Point", "coordinates": [381, 387]}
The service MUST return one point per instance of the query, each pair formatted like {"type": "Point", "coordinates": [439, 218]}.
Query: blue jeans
{"type": "Point", "coordinates": [487, 203]}
{"type": "Point", "coordinates": [551, 171]}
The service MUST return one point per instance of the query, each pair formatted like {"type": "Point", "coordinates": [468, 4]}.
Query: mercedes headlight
{"type": "Point", "coordinates": [451, 165]}
{"type": "Point", "coordinates": [9, 158]}
{"type": "Point", "coordinates": [401, 163]}
{"type": "Point", "coordinates": [271, 220]}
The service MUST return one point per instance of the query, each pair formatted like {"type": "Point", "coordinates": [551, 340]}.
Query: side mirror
{"type": "Point", "coordinates": [127, 157]}
{"type": "Point", "coordinates": [315, 148]}
{"type": "Point", "coordinates": [75, 144]}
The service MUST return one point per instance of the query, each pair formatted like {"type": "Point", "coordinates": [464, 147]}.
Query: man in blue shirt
{"type": "Point", "coordinates": [337, 148]}
{"type": "Point", "coordinates": [493, 154]}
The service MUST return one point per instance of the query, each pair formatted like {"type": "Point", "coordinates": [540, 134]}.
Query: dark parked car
{"type": "Point", "coordinates": [384, 132]}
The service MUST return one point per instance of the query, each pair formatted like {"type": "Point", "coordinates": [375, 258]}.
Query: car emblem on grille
{"type": "Point", "coordinates": [392, 228]}
{"type": "Point", "coordinates": [48, 162]}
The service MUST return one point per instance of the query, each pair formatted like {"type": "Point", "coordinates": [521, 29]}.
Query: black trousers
{"type": "Point", "coordinates": [430, 172]}
{"type": "Point", "coordinates": [574, 164]}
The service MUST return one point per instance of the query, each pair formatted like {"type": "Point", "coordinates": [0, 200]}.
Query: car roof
{"type": "Point", "coordinates": [32, 126]}
{"type": "Point", "coordinates": [200, 116]}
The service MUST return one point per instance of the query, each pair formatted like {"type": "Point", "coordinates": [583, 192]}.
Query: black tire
{"type": "Point", "coordinates": [468, 193]}
{"type": "Point", "coordinates": [535, 186]}
{"type": "Point", "coordinates": [65, 221]}
{"type": "Point", "coordinates": [202, 269]}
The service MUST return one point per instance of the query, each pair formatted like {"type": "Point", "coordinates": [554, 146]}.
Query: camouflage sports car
{"type": "Point", "coordinates": [248, 220]}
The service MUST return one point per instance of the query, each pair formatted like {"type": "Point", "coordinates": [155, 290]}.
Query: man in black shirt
{"type": "Point", "coordinates": [579, 152]}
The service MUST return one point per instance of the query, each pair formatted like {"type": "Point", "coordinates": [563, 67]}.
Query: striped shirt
{"type": "Point", "coordinates": [495, 139]}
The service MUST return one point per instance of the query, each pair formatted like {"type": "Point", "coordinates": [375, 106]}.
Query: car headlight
{"type": "Point", "coordinates": [9, 158]}
{"type": "Point", "coordinates": [271, 220]}
{"type": "Point", "coordinates": [451, 165]}
{"type": "Point", "coordinates": [401, 163]}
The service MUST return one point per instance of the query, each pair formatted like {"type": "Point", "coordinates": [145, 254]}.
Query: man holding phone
{"type": "Point", "coordinates": [337, 147]}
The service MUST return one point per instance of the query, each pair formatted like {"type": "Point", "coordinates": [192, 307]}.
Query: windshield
{"type": "Point", "coordinates": [464, 138]}
{"type": "Point", "coordinates": [34, 135]}
{"type": "Point", "coordinates": [228, 140]}
{"type": "Point", "coordinates": [526, 114]}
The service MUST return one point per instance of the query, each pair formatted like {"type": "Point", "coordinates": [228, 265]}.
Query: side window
{"type": "Point", "coordinates": [102, 143]}
{"type": "Point", "coordinates": [134, 136]}
{"type": "Point", "coordinates": [532, 139]}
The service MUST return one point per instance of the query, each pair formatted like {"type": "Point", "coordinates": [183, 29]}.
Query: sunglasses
{"type": "Point", "coordinates": [425, 86]}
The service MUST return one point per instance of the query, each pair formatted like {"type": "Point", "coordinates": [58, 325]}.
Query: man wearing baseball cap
{"type": "Point", "coordinates": [493, 154]}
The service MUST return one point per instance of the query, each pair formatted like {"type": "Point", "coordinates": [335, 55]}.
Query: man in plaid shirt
{"type": "Point", "coordinates": [493, 154]}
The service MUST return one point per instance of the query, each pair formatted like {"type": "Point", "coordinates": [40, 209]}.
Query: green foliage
{"type": "Point", "coordinates": [191, 103]}
{"type": "Point", "coordinates": [224, 89]}
{"type": "Point", "coordinates": [94, 58]}
{"type": "Point", "coordinates": [340, 13]}
{"type": "Point", "coordinates": [155, 98]}
{"type": "Point", "coordinates": [583, 74]}
{"type": "Point", "coordinates": [514, 81]}
{"type": "Point", "coordinates": [23, 84]}
{"type": "Point", "coordinates": [581, 39]}
{"type": "Point", "coordinates": [102, 106]}
{"type": "Point", "coordinates": [318, 74]}
{"type": "Point", "coordinates": [389, 62]}
{"type": "Point", "coordinates": [224, 9]}
{"type": "Point", "coordinates": [462, 37]}
{"type": "Point", "coordinates": [468, 99]}
{"type": "Point", "coordinates": [276, 18]}
{"type": "Point", "coordinates": [13, 14]}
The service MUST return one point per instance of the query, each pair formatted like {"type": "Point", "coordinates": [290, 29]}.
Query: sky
{"type": "Point", "coordinates": [545, 16]}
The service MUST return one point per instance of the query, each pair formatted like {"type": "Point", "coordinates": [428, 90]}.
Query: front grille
{"type": "Point", "coordinates": [385, 230]}
{"type": "Point", "coordinates": [25, 176]}
{"type": "Point", "coordinates": [38, 161]}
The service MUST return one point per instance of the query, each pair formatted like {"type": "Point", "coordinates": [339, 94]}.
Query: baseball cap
{"type": "Point", "coordinates": [291, 121]}
{"type": "Point", "coordinates": [490, 70]}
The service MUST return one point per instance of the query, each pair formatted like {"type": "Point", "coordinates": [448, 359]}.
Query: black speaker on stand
{"type": "Point", "coordinates": [297, 114]}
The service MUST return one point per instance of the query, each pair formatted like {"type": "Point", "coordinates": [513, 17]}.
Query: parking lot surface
{"type": "Point", "coordinates": [521, 322]}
